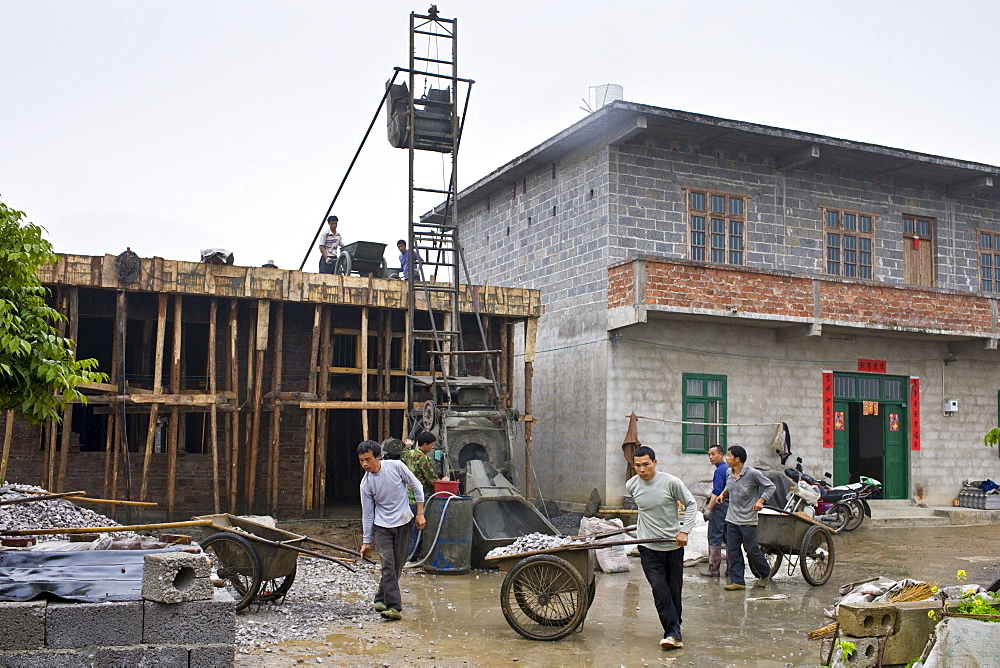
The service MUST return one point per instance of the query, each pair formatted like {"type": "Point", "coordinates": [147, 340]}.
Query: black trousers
{"type": "Point", "coordinates": [664, 570]}
{"type": "Point", "coordinates": [392, 545]}
{"type": "Point", "coordinates": [744, 535]}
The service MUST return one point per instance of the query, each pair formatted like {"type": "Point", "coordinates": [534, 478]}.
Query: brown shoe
{"type": "Point", "coordinates": [732, 586]}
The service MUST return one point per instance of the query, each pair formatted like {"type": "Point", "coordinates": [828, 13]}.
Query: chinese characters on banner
{"type": "Point", "coordinates": [914, 413]}
{"type": "Point", "coordinates": [827, 409]}
{"type": "Point", "coordinates": [871, 366]}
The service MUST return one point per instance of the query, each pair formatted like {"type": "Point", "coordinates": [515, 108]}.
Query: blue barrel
{"type": "Point", "coordinates": [451, 553]}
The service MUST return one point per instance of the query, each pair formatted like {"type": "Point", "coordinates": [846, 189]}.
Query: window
{"type": "Point", "coordinates": [718, 223]}
{"type": "Point", "coordinates": [849, 241]}
{"type": "Point", "coordinates": [704, 402]}
{"type": "Point", "coordinates": [989, 261]}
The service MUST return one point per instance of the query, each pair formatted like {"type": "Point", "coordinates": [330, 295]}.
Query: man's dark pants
{"type": "Point", "coordinates": [391, 545]}
{"type": "Point", "coordinates": [664, 571]}
{"type": "Point", "coordinates": [744, 535]}
{"type": "Point", "coordinates": [327, 267]}
{"type": "Point", "coordinates": [717, 525]}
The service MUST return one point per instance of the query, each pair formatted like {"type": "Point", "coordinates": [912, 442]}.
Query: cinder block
{"type": "Point", "coordinates": [913, 629]}
{"type": "Point", "coordinates": [176, 577]}
{"type": "Point", "coordinates": [191, 623]}
{"type": "Point", "coordinates": [213, 656]}
{"type": "Point", "coordinates": [71, 625]}
{"type": "Point", "coordinates": [162, 656]}
{"type": "Point", "coordinates": [865, 620]}
{"type": "Point", "coordinates": [865, 654]}
{"type": "Point", "coordinates": [41, 658]}
{"type": "Point", "coordinates": [22, 624]}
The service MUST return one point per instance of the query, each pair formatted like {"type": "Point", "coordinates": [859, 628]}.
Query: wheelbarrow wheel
{"type": "Point", "coordinates": [276, 588]}
{"type": "Point", "coordinates": [543, 597]}
{"type": "Point", "coordinates": [344, 263]}
{"type": "Point", "coordinates": [774, 558]}
{"type": "Point", "coordinates": [816, 558]}
{"type": "Point", "coordinates": [236, 562]}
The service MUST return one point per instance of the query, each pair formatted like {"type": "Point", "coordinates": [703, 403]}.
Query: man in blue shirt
{"type": "Point", "coordinates": [715, 512]}
{"type": "Point", "coordinates": [405, 258]}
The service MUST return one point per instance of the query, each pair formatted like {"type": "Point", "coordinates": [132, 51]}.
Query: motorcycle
{"type": "Point", "coordinates": [854, 496]}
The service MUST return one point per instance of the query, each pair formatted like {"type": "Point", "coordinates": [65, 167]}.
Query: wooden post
{"type": "Point", "coordinates": [504, 380]}
{"type": "Point", "coordinates": [50, 455]}
{"type": "Point", "coordinates": [404, 361]}
{"type": "Point", "coordinates": [232, 384]}
{"type": "Point", "coordinates": [309, 451]}
{"type": "Point", "coordinates": [364, 371]}
{"type": "Point", "coordinates": [8, 437]}
{"type": "Point", "coordinates": [109, 443]}
{"type": "Point", "coordinates": [263, 323]}
{"type": "Point", "coordinates": [173, 430]}
{"type": "Point", "coordinates": [213, 417]}
{"type": "Point", "coordinates": [385, 376]}
{"type": "Point", "coordinates": [530, 331]}
{"type": "Point", "coordinates": [154, 411]}
{"type": "Point", "coordinates": [121, 439]}
{"type": "Point", "coordinates": [273, 454]}
{"type": "Point", "coordinates": [322, 390]}
{"type": "Point", "coordinates": [74, 331]}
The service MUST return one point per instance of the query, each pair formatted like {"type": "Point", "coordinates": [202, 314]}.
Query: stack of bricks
{"type": "Point", "coordinates": [182, 621]}
{"type": "Point", "coordinates": [884, 634]}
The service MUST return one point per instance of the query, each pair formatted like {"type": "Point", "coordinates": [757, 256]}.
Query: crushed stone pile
{"type": "Point", "coordinates": [52, 514]}
{"type": "Point", "coordinates": [530, 543]}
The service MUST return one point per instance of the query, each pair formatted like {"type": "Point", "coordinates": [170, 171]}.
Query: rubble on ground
{"type": "Point", "coordinates": [529, 543]}
{"type": "Point", "coordinates": [51, 514]}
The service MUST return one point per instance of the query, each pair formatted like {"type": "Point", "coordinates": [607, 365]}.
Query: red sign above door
{"type": "Point", "coordinates": [871, 366]}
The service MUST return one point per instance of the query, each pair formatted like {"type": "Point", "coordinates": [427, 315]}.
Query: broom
{"type": "Point", "coordinates": [919, 591]}
{"type": "Point", "coordinates": [823, 631]}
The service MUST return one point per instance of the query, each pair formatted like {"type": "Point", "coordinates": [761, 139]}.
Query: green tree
{"type": "Point", "coordinates": [39, 372]}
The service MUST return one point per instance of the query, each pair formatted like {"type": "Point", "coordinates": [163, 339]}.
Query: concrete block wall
{"type": "Point", "coordinates": [770, 382]}
{"type": "Point", "coordinates": [50, 634]}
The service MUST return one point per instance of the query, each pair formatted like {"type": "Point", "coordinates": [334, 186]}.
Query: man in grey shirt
{"type": "Point", "coordinates": [386, 517]}
{"type": "Point", "coordinates": [747, 490]}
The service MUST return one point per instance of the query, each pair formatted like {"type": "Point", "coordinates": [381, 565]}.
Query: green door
{"type": "Point", "coordinates": [841, 444]}
{"type": "Point", "coordinates": [896, 483]}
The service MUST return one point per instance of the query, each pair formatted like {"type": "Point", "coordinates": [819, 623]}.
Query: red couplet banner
{"type": "Point", "coordinates": [827, 409]}
{"type": "Point", "coordinates": [914, 413]}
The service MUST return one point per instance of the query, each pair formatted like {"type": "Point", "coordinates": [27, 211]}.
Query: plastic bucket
{"type": "Point", "coordinates": [446, 486]}
{"type": "Point", "coordinates": [451, 553]}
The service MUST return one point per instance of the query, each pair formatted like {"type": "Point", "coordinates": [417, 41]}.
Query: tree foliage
{"type": "Point", "coordinates": [39, 372]}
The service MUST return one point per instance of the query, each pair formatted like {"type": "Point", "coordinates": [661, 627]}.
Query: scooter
{"type": "Point", "coordinates": [854, 495]}
{"type": "Point", "coordinates": [804, 497]}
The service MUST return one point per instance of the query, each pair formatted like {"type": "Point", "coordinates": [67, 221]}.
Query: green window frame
{"type": "Point", "coordinates": [870, 387]}
{"type": "Point", "coordinates": [704, 400]}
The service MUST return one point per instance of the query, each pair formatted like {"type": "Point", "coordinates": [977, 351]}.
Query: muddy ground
{"type": "Point", "coordinates": [457, 620]}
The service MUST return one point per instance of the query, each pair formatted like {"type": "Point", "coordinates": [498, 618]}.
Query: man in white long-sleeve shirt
{"type": "Point", "coordinates": [657, 496]}
{"type": "Point", "coordinates": [386, 519]}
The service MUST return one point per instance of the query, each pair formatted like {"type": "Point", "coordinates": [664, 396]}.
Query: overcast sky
{"type": "Point", "coordinates": [172, 126]}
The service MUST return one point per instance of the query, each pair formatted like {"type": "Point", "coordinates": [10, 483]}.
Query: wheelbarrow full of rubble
{"type": "Point", "coordinates": [256, 562]}
{"type": "Point", "coordinates": [547, 592]}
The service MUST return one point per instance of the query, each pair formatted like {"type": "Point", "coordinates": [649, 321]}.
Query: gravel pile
{"type": "Point", "coordinates": [567, 523]}
{"type": "Point", "coordinates": [322, 593]}
{"type": "Point", "coordinates": [530, 543]}
{"type": "Point", "coordinates": [54, 514]}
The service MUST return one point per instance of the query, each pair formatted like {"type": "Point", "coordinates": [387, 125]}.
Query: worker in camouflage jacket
{"type": "Point", "coordinates": [415, 456]}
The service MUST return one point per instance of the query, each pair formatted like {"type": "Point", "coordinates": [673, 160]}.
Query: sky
{"type": "Point", "coordinates": [173, 126]}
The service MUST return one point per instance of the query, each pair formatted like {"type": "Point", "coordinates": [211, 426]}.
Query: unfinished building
{"type": "Point", "coordinates": [247, 389]}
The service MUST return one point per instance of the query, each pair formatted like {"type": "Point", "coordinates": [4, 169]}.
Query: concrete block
{"type": "Point", "coordinates": [176, 577]}
{"type": "Point", "coordinates": [71, 625]}
{"type": "Point", "coordinates": [213, 656]}
{"type": "Point", "coordinates": [23, 624]}
{"type": "Point", "coordinates": [41, 658]}
{"type": "Point", "coordinates": [191, 623]}
{"type": "Point", "coordinates": [162, 656]}
{"type": "Point", "coordinates": [865, 654]}
{"type": "Point", "coordinates": [865, 620]}
{"type": "Point", "coordinates": [913, 629]}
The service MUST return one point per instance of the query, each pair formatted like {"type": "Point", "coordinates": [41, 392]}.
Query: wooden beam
{"type": "Point", "coordinates": [797, 158]}
{"type": "Point", "coordinates": [173, 429]}
{"type": "Point", "coordinates": [154, 412]}
{"type": "Point", "coordinates": [74, 333]}
{"type": "Point", "coordinates": [969, 186]}
{"type": "Point", "coordinates": [363, 363]}
{"type": "Point", "coordinates": [404, 361]}
{"type": "Point", "coordinates": [359, 405]}
{"type": "Point", "coordinates": [530, 332]}
{"type": "Point", "coordinates": [309, 450]}
{"type": "Point", "coordinates": [8, 437]}
{"type": "Point", "coordinates": [232, 384]}
{"type": "Point", "coordinates": [260, 344]}
{"type": "Point", "coordinates": [213, 416]}
{"type": "Point", "coordinates": [273, 446]}
{"type": "Point", "coordinates": [322, 390]}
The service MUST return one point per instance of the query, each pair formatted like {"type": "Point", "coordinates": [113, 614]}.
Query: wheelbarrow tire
{"type": "Point", "coordinates": [344, 264]}
{"type": "Point", "coordinates": [275, 588]}
{"type": "Point", "coordinates": [237, 563]}
{"type": "Point", "coordinates": [774, 557]}
{"type": "Point", "coordinates": [544, 597]}
{"type": "Point", "coordinates": [817, 557]}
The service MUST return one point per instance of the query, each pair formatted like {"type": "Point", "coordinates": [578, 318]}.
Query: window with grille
{"type": "Point", "coordinates": [718, 227]}
{"type": "Point", "coordinates": [704, 412]}
{"type": "Point", "coordinates": [989, 261]}
{"type": "Point", "coordinates": [849, 243]}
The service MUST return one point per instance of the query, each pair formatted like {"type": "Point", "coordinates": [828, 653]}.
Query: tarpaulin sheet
{"type": "Point", "coordinates": [965, 643]}
{"type": "Point", "coordinates": [91, 576]}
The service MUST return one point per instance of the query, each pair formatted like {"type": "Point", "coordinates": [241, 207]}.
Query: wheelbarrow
{"type": "Point", "coordinates": [364, 258]}
{"type": "Point", "coordinates": [256, 562]}
{"type": "Point", "coordinates": [804, 542]}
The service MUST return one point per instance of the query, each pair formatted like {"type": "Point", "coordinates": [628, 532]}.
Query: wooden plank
{"type": "Point", "coordinates": [530, 332]}
{"type": "Point", "coordinates": [173, 428]}
{"type": "Point", "coordinates": [8, 437]}
{"type": "Point", "coordinates": [309, 459]}
{"type": "Point", "coordinates": [364, 371]}
{"type": "Point", "coordinates": [213, 417]}
{"type": "Point", "coordinates": [254, 430]}
{"type": "Point", "coordinates": [273, 445]}
{"type": "Point", "coordinates": [358, 405]}
{"type": "Point", "coordinates": [404, 361]}
{"type": "Point", "coordinates": [232, 384]}
{"type": "Point", "coordinates": [109, 441]}
{"type": "Point", "coordinates": [154, 412]}
{"type": "Point", "coordinates": [322, 391]}
{"type": "Point", "coordinates": [74, 333]}
{"type": "Point", "coordinates": [263, 323]}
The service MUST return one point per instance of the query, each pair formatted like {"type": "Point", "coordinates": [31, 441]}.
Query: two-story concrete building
{"type": "Point", "coordinates": [697, 270]}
